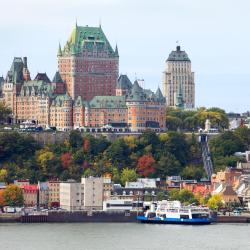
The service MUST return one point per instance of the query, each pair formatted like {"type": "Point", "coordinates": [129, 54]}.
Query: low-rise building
{"type": "Point", "coordinates": [54, 193]}
{"type": "Point", "coordinates": [71, 195]}
{"type": "Point", "coordinates": [92, 188]}
{"type": "Point", "coordinates": [30, 195]}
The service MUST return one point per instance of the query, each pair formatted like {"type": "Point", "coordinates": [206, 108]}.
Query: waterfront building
{"type": "Point", "coordinates": [88, 64]}
{"type": "Point", "coordinates": [92, 188]}
{"type": "Point", "coordinates": [21, 183]}
{"type": "Point", "coordinates": [54, 193]}
{"type": "Point", "coordinates": [71, 196]}
{"type": "Point", "coordinates": [229, 176]}
{"type": "Point", "coordinates": [43, 197]}
{"type": "Point", "coordinates": [30, 195]}
{"type": "Point", "coordinates": [178, 80]}
{"type": "Point", "coordinates": [107, 187]}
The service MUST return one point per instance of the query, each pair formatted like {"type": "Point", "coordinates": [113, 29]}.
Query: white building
{"type": "Point", "coordinates": [87, 195]}
{"type": "Point", "coordinates": [179, 78]}
{"type": "Point", "coordinates": [71, 195]}
{"type": "Point", "coordinates": [142, 183]}
{"type": "Point", "coordinates": [92, 188]}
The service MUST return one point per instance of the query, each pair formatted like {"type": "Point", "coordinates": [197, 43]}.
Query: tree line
{"type": "Point", "coordinates": [148, 155]}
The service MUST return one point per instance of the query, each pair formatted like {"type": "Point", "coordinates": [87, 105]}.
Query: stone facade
{"type": "Point", "coordinates": [178, 80]}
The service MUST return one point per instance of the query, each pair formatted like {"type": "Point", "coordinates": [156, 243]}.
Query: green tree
{"type": "Point", "coordinates": [13, 196]}
{"type": "Point", "coordinates": [161, 196]}
{"type": "Point", "coordinates": [187, 197]}
{"type": "Point", "coordinates": [4, 112]}
{"type": "Point", "coordinates": [167, 165]}
{"type": "Point", "coordinates": [192, 172]}
{"type": "Point", "coordinates": [128, 175]}
{"type": "Point", "coordinates": [75, 139]}
{"type": "Point", "coordinates": [118, 153]}
{"type": "Point", "coordinates": [226, 144]}
{"type": "Point", "coordinates": [244, 134]}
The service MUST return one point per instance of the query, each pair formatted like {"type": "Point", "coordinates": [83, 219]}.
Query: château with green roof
{"type": "Point", "coordinates": [88, 64]}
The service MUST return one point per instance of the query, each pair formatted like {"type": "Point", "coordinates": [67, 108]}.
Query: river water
{"type": "Point", "coordinates": [126, 236]}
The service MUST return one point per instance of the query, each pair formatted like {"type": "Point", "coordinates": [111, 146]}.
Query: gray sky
{"type": "Point", "coordinates": [215, 34]}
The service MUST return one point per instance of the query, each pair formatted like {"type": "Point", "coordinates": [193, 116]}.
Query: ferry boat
{"type": "Point", "coordinates": [172, 212]}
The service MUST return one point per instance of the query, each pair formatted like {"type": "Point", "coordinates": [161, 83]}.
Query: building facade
{"type": "Point", "coordinates": [86, 91]}
{"type": "Point", "coordinates": [178, 80]}
{"type": "Point", "coordinates": [92, 188]}
{"type": "Point", "coordinates": [71, 195]}
{"type": "Point", "coordinates": [88, 64]}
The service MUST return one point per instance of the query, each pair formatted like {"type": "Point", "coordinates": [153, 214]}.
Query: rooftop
{"type": "Point", "coordinates": [178, 55]}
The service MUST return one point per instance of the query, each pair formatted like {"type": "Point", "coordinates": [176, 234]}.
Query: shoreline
{"type": "Point", "coordinates": [97, 217]}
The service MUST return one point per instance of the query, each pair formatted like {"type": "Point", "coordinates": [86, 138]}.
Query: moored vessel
{"type": "Point", "coordinates": [172, 212]}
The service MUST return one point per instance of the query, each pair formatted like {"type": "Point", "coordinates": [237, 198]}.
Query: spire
{"type": "Point", "coordinates": [116, 51]}
{"type": "Point", "coordinates": [59, 53]}
{"type": "Point", "coordinates": [159, 94]}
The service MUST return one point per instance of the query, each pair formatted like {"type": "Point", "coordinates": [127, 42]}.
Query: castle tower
{"type": "Point", "coordinates": [178, 72]}
{"type": "Point", "coordinates": [88, 64]}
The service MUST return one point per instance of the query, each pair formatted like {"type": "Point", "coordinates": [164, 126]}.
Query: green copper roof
{"type": "Point", "coordinates": [107, 102]}
{"type": "Point", "coordinates": [87, 38]}
{"type": "Point", "coordinates": [36, 87]}
{"type": "Point", "coordinates": [124, 82]}
{"type": "Point", "coordinates": [138, 94]}
{"type": "Point", "coordinates": [178, 55]}
{"type": "Point", "coordinates": [57, 78]}
{"type": "Point", "coordinates": [79, 102]}
{"type": "Point", "coordinates": [60, 99]}
{"type": "Point", "coordinates": [15, 74]}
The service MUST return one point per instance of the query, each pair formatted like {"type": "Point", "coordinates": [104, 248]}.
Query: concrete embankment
{"type": "Point", "coordinates": [233, 219]}
{"type": "Point", "coordinates": [8, 218]}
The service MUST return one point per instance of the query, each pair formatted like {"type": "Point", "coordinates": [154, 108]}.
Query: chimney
{"type": "Point", "coordinates": [178, 48]}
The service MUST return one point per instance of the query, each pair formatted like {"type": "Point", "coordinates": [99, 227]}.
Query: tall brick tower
{"type": "Point", "coordinates": [88, 64]}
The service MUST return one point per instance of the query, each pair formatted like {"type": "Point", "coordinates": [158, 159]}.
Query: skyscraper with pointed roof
{"type": "Point", "coordinates": [178, 76]}
{"type": "Point", "coordinates": [88, 64]}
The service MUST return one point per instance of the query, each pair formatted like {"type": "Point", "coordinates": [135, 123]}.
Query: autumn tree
{"type": "Point", "coordinates": [13, 196]}
{"type": "Point", "coordinates": [66, 160]}
{"type": "Point", "coordinates": [215, 202]}
{"type": "Point", "coordinates": [146, 165]}
{"type": "Point", "coordinates": [3, 175]}
{"type": "Point", "coordinates": [128, 175]}
{"type": "Point", "coordinates": [2, 201]}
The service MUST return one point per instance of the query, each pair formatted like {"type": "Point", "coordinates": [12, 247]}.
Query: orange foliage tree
{"type": "Point", "coordinates": [2, 201]}
{"type": "Point", "coordinates": [86, 145]}
{"type": "Point", "coordinates": [66, 159]}
{"type": "Point", "coordinates": [146, 165]}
